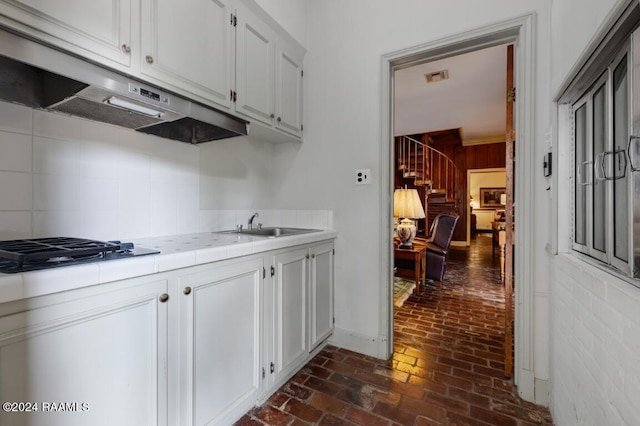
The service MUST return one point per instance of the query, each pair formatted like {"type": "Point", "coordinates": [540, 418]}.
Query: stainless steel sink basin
{"type": "Point", "coordinates": [273, 231]}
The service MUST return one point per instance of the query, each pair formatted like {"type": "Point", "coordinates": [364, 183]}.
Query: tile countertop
{"type": "Point", "coordinates": [176, 252]}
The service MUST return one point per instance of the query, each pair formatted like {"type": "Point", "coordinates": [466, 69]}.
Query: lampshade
{"type": "Point", "coordinates": [406, 204]}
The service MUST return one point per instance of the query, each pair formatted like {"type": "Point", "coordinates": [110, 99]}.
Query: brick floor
{"type": "Point", "coordinates": [447, 366]}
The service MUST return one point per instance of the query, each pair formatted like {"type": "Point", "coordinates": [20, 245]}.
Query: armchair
{"type": "Point", "coordinates": [438, 244]}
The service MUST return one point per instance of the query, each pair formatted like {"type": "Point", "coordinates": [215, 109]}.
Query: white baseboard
{"type": "Point", "coordinates": [367, 345]}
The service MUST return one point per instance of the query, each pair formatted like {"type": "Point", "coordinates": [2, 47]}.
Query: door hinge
{"type": "Point", "coordinates": [234, 20]}
{"type": "Point", "coordinates": [273, 368]}
{"type": "Point", "coordinates": [264, 373]}
{"type": "Point", "coordinates": [273, 271]}
{"type": "Point", "coordinates": [509, 327]}
{"type": "Point", "coordinates": [511, 94]}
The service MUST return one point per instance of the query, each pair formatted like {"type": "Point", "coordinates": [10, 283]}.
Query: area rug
{"type": "Point", "coordinates": [402, 289]}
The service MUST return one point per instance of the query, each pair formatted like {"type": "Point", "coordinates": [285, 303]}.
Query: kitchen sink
{"type": "Point", "coordinates": [272, 231]}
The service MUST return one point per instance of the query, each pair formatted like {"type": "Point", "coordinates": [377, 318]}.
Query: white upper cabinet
{"type": "Point", "coordinates": [268, 76]}
{"type": "Point", "coordinates": [98, 29]}
{"type": "Point", "coordinates": [229, 54]}
{"type": "Point", "coordinates": [288, 90]}
{"type": "Point", "coordinates": [255, 67]}
{"type": "Point", "coordinates": [189, 45]}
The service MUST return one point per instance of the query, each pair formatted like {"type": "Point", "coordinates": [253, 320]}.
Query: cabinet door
{"type": "Point", "coordinates": [321, 294]}
{"type": "Point", "coordinates": [220, 335]}
{"type": "Point", "coordinates": [255, 66]}
{"type": "Point", "coordinates": [188, 45]}
{"type": "Point", "coordinates": [290, 325]}
{"type": "Point", "coordinates": [98, 29]}
{"type": "Point", "coordinates": [104, 356]}
{"type": "Point", "coordinates": [288, 90]}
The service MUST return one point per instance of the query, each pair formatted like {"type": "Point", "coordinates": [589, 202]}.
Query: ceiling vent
{"type": "Point", "coordinates": [432, 77]}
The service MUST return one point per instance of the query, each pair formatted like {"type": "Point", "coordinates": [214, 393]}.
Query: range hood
{"type": "Point", "coordinates": [37, 76]}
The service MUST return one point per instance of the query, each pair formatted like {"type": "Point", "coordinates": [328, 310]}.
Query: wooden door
{"type": "Point", "coordinates": [509, 219]}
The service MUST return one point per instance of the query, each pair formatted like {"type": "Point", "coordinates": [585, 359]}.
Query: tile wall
{"type": "Point", "coordinates": [62, 176]}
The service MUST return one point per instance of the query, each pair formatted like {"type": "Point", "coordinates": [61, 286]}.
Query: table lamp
{"type": "Point", "coordinates": [407, 205]}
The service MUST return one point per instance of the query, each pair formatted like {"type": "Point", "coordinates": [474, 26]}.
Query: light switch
{"type": "Point", "coordinates": [363, 176]}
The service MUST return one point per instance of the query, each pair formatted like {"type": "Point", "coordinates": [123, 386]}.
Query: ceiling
{"type": "Point", "coordinates": [472, 99]}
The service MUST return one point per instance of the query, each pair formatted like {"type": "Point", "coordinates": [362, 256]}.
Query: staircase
{"type": "Point", "coordinates": [428, 167]}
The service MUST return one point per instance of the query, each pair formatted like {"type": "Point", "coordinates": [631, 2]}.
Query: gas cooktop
{"type": "Point", "coordinates": [44, 253]}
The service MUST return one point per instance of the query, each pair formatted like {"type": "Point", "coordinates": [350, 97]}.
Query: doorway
{"type": "Point", "coordinates": [520, 33]}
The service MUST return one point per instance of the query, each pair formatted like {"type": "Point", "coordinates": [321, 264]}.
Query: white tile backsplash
{"type": "Point", "coordinates": [56, 156]}
{"type": "Point", "coordinates": [57, 224]}
{"type": "Point", "coordinates": [56, 126]}
{"type": "Point", "coordinates": [99, 159]}
{"type": "Point", "coordinates": [63, 176]}
{"type": "Point", "coordinates": [134, 223]}
{"type": "Point", "coordinates": [16, 118]}
{"type": "Point", "coordinates": [99, 224]}
{"type": "Point", "coordinates": [17, 151]}
{"type": "Point", "coordinates": [134, 195]}
{"type": "Point", "coordinates": [98, 194]}
{"type": "Point", "coordinates": [15, 191]}
{"type": "Point", "coordinates": [53, 192]}
{"type": "Point", "coordinates": [15, 225]}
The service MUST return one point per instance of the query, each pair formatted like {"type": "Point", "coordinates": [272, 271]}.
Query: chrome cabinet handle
{"type": "Point", "coordinates": [579, 177]}
{"type": "Point", "coordinates": [272, 116]}
{"type": "Point", "coordinates": [163, 297]}
{"type": "Point", "coordinates": [600, 158]}
{"type": "Point", "coordinates": [126, 48]}
{"type": "Point", "coordinates": [634, 167]}
{"type": "Point", "coordinates": [619, 165]}
{"type": "Point", "coordinates": [149, 59]}
{"type": "Point", "coordinates": [187, 290]}
{"type": "Point", "coordinates": [279, 119]}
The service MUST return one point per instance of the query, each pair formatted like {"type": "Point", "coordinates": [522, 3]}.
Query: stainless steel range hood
{"type": "Point", "coordinates": [37, 76]}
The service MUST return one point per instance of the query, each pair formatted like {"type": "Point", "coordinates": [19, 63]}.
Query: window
{"type": "Point", "coordinates": [603, 207]}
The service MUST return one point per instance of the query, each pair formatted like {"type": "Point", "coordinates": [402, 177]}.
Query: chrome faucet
{"type": "Point", "coordinates": [250, 223]}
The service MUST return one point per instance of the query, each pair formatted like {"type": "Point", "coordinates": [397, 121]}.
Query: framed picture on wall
{"type": "Point", "coordinates": [491, 197]}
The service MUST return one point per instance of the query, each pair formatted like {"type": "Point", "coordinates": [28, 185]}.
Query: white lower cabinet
{"type": "Point", "coordinates": [320, 294]}
{"type": "Point", "coordinates": [298, 309]}
{"type": "Point", "coordinates": [86, 357]}
{"type": "Point", "coordinates": [289, 318]}
{"type": "Point", "coordinates": [195, 346]}
{"type": "Point", "coordinates": [220, 342]}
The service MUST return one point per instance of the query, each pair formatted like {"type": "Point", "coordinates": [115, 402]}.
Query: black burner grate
{"type": "Point", "coordinates": [43, 249]}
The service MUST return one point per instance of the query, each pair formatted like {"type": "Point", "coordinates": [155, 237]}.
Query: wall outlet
{"type": "Point", "coordinates": [363, 176]}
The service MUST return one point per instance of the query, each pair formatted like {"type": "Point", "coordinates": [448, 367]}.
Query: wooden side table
{"type": "Point", "coordinates": [417, 253]}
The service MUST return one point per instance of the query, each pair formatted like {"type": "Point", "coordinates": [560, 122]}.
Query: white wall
{"type": "Point", "coordinates": [484, 179]}
{"type": "Point", "coordinates": [342, 83]}
{"type": "Point", "coordinates": [595, 349]}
